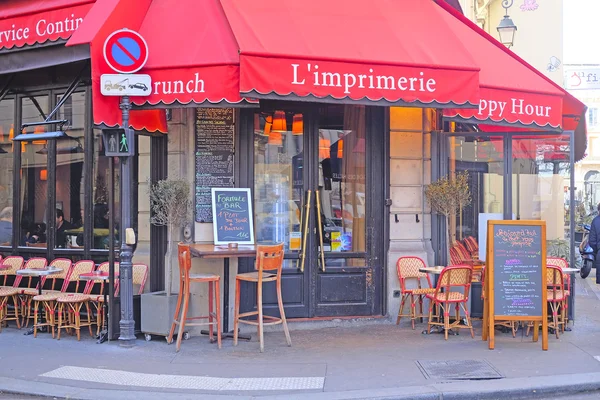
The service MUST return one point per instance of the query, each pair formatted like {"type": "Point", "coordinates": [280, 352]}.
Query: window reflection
{"type": "Point", "coordinates": [102, 186]}
{"type": "Point", "coordinates": [7, 112]}
{"type": "Point", "coordinates": [34, 175]}
{"type": "Point", "coordinates": [279, 183]}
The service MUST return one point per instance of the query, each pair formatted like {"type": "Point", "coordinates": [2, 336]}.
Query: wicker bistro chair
{"type": "Point", "coordinates": [69, 304]}
{"type": "Point", "coordinates": [268, 258]}
{"type": "Point", "coordinates": [562, 263]}
{"type": "Point", "coordinates": [5, 295]}
{"type": "Point", "coordinates": [452, 277]}
{"type": "Point", "coordinates": [15, 263]}
{"type": "Point", "coordinates": [26, 291]}
{"type": "Point", "coordinates": [556, 298]}
{"type": "Point", "coordinates": [408, 270]}
{"type": "Point", "coordinates": [185, 279]}
{"type": "Point", "coordinates": [48, 300]}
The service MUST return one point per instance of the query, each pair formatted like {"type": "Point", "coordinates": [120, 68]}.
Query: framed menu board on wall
{"type": "Point", "coordinates": [515, 276]}
{"type": "Point", "coordinates": [214, 128]}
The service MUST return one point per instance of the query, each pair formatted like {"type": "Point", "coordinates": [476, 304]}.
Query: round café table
{"type": "Point", "coordinates": [39, 273]}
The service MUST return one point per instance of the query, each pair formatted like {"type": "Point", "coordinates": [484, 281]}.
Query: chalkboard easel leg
{"type": "Point", "coordinates": [536, 331]}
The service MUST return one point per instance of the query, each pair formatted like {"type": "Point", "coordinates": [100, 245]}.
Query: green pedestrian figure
{"type": "Point", "coordinates": [124, 147]}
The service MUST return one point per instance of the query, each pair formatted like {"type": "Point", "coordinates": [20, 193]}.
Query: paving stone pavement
{"type": "Point", "coordinates": [348, 358]}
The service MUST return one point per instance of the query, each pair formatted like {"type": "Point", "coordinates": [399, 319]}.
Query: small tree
{"type": "Point", "coordinates": [447, 196]}
{"type": "Point", "coordinates": [170, 202]}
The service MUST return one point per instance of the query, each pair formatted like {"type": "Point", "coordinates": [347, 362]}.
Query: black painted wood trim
{"type": "Point", "coordinates": [158, 234]}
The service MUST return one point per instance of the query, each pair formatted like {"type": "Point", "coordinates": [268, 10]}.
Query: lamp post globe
{"type": "Point", "coordinates": [506, 31]}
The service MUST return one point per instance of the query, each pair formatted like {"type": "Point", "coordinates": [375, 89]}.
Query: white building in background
{"type": "Point", "coordinates": [583, 82]}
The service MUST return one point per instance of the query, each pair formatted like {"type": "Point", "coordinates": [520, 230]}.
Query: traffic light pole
{"type": "Point", "coordinates": [126, 324]}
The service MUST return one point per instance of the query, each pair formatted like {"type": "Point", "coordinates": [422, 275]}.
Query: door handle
{"type": "Point", "coordinates": [306, 219]}
{"type": "Point", "coordinates": [320, 228]}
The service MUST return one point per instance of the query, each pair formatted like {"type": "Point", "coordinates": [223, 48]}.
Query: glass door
{"type": "Point", "coordinates": [311, 193]}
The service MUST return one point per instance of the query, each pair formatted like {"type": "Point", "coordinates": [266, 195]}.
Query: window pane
{"type": "Point", "coordinates": [482, 158]}
{"type": "Point", "coordinates": [278, 182]}
{"type": "Point", "coordinates": [69, 174]}
{"type": "Point", "coordinates": [34, 176]}
{"type": "Point", "coordinates": [102, 186]}
{"type": "Point", "coordinates": [342, 164]}
{"type": "Point", "coordinates": [540, 181]}
{"type": "Point", "coordinates": [7, 110]}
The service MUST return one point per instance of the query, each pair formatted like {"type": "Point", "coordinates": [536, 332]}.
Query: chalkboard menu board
{"type": "Point", "coordinates": [518, 280]}
{"type": "Point", "coordinates": [515, 277]}
{"type": "Point", "coordinates": [232, 212]}
{"type": "Point", "coordinates": [214, 156]}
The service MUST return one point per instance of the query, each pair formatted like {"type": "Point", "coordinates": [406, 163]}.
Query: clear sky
{"type": "Point", "coordinates": [581, 31]}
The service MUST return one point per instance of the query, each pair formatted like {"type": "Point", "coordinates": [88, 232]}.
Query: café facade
{"type": "Point", "coordinates": [357, 113]}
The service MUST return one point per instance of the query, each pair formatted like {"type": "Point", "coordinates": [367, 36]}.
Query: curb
{"type": "Point", "coordinates": [515, 388]}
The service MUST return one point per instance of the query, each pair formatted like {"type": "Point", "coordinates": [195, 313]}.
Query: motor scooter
{"type": "Point", "coordinates": [587, 253]}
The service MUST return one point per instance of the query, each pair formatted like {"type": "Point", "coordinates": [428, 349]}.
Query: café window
{"type": "Point", "coordinates": [7, 114]}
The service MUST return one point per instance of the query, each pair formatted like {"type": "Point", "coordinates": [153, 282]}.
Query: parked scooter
{"type": "Point", "coordinates": [587, 253]}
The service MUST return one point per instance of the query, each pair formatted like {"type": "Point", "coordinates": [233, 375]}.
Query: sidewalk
{"type": "Point", "coordinates": [350, 361]}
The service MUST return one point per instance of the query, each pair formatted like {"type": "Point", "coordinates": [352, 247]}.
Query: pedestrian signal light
{"type": "Point", "coordinates": [118, 142]}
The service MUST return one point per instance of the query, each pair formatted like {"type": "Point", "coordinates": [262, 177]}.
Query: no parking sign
{"type": "Point", "coordinates": [125, 51]}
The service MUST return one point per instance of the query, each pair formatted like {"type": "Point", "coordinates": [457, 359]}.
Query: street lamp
{"type": "Point", "coordinates": [507, 28]}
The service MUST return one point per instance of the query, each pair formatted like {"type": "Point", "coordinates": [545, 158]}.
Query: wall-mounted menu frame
{"type": "Point", "coordinates": [232, 215]}
{"type": "Point", "coordinates": [515, 276]}
{"type": "Point", "coordinates": [214, 131]}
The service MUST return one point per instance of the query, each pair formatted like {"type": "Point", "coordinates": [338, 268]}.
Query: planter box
{"type": "Point", "coordinates": [158, 310]}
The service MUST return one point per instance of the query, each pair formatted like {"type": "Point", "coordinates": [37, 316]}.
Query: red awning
{"type": "Point", "coordinates": [389, 51]}
{"type": "Point", "coordinates": [513, 93]}
{"type": "Point", "coordinates": [29, 22]}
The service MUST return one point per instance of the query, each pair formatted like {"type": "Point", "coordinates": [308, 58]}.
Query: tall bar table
{"type": "Point", "coordinates": [224, 252]}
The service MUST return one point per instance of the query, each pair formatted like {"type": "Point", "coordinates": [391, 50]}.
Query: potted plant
{"type": "Point", "coordinates": [448, 196]}
{"type": "Point", "coordinates": [170, 205]}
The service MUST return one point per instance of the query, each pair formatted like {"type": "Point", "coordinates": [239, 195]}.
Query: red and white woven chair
{"type": "Point", "coordinates": [447, 294]}
{"type": "Point", "coordinates": [408, 271]}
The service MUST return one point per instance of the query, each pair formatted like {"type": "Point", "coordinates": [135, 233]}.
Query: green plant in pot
{"type": "Point", "coordinates": [170, 204]}
{"type": "Point", "coordinates": [448, 196]}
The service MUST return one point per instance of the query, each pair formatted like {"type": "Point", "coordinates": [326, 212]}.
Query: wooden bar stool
{"type": "Point", "coordinates": [268, 258]}
{"type": "Point", "coordinates": [185, 278]}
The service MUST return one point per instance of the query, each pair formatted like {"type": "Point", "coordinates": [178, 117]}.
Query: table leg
{"type": "Point", "coordinates": [40, 310]}
{"type": "Point", "coordinates": [225, 314]}
{"type": "Point", "coordinates": [103, 337]}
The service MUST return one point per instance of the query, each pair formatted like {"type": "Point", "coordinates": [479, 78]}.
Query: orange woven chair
{"type": "Point", "coordinates": [408, 271]}
{"type": "Point", "coordinates": [185, 278]}
{"type": "Point", "coordinates": [97, 300]}
{"type": "Point", "coordinates": [453, 277]}
{"type": "Point", "coordinates": [27, 292]}
{"type": "Point", "coordinates": [48, 300]}
{"type": "Point", "coordinates": [562, 263]}
{"type": "Point", "coordinates": [5, 295]}
{"type": "Point", "coordinates": [69, 304]}
{"type": "Point", "coordinates": [15, 263]}
{"type": "Point", "coordinates": [268, 258]}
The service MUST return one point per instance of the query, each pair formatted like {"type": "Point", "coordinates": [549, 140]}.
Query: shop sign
{"type": "Point", "coordinates": [40, 27]}
{"type": "Point", "coordinates": [582, 78]}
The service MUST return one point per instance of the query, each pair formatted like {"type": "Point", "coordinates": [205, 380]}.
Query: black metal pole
{"type": "Point", "coordinates": [111, 245]}
{"type": "Point", "coordinates": [126, 324]}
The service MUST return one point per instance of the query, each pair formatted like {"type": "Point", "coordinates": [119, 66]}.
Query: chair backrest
{"type": "Point", "coordinates": [105, 267]}
{"type": "Point", "coordinates": [408, 268]}
{"type": "Point", "coordinates": [472, 246]}
{"type": "Point", "coordinates": [80, 267]}
{"type": "Point", "coordinates": [454, 276]}
{"type": "Point", "coordinates": [269, 258]}
{"type": "Point", "coordinates": [140, 275]}
{"type": "Point", "coordinates": [63, 263]}
{"type": "Point", "coordinates": [554, 280]}
{"type": "Point", "coordinates": [15, 263]}
{"type": "Point", "coordinates": [559, 262]}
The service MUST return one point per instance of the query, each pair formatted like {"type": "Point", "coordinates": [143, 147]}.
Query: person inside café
{"type": "Point", "coordinates": [61, 227]}
{"type": "Point", "coordinates": [6, 225]}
